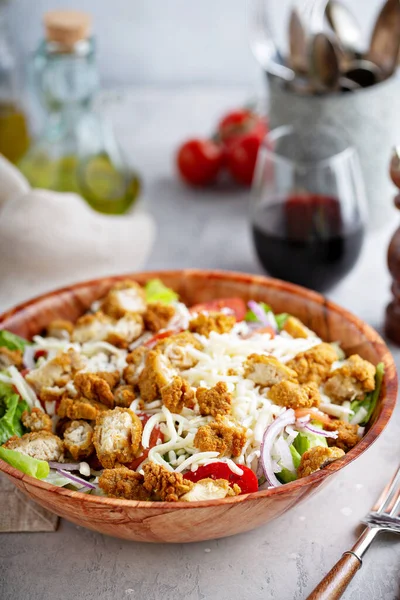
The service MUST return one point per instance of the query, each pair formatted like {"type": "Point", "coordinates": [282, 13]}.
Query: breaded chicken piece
{"type": "Point", "coordinates": [347, 434]}
{"type": "Point", "coordinates": [36, 420]}
{"type": "Point", "coordinates": [80, 408]}
{"type": "Point", "coordinates": [317, 458]}
{"type": "Point", "coordinates": [60, 329]}
{"type": "Point", "coordinates": [9, 358]}
{"type": "Point", "coordinates": [117, 436]}
{"type": "Point", "coordinates": [293, 395]}
{"type": "Point", "coordinates": [175, 348]}
{"type": "Point", "coordinates": [93, 386]}
{"type": "Point", "coordinates": [267, 370]}
{"type": "Point", "coordinates": [123, 298]}
{"type": "Point", "coordinates": [219, 322]}
{"type": "Point", "coordinates": [177, 394]}
{"type": "Point", "coordinates": [78, 439]}
{"type": "Point", "coordinates": [351, 381]}
{"type": "Point", "coordinates": [221, 436]}
{"type": "Point", "coordinates": [124, 395]}
{"type": "Point", "coordinates": [210, 489]}
{"type": "Point", "coordinates": [42, 445]}
{"type": "Point", "coordinates": [157, 373]}
{"type": "Point", "coordinates": [157, 316]}
{"type": "Point", "coordinates": [296, 328]}
{"type": "Point", "coordinates": [100, 327]}
{"type": "Point", "coordinates": [136, 361]}
{"type": "Point", "coordinates": [55, 373]}
{"type": "Point", "coordinates": [214, 401]}
{"type": "Point", "coordinates": [314, 364]}
{"type": "Point", "coordinates": [122, 482]}
{"type": "Point", "coordinates": [165, 485]}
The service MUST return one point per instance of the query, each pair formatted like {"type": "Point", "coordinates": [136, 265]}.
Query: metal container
{"type": "Point", "coordinates": [368, 118]}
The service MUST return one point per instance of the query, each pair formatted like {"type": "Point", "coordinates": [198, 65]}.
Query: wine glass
{"type": "Point", "coordinates": [308, 209]}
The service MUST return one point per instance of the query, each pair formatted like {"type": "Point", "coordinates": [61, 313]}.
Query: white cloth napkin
{"type": "Point", "coordinates": [49, 239]}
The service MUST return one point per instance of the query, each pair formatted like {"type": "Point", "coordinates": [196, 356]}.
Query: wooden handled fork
{"type": "Point", "coordinates": [384, 516]}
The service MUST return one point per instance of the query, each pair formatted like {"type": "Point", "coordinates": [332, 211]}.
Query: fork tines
{"type": "Point", "coordinates": [385, 513]}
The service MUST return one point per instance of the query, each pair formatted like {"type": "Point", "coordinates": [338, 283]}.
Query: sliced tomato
{"type": "Point", "coordinates": [155, 437]}
{"type": "Point", "coordinates": [24, 372]}
{"type": "Point", "coordinates": [247, 482]}
{"type": "Point", "coordinates": [314, 413]}
{"type": "Point", "coordinates": [39, 353]}
{"type": "Point", "coordinates": [266, 329]}
{"type": "Point", "coordinates": [159, 336]}
{"type": "Point", "coordinates": [236, 305]}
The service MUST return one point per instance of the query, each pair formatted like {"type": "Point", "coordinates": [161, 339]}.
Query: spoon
{"type": "Point", "coordinates": [298, 51]}
{"type": "Point", "coordinates": [385, 41]}
{"type": "Point", "coordinates": [345, 26]}
{"type": "Point", "coordinates": [324, 67]}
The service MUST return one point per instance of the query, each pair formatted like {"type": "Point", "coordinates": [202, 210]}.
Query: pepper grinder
{"type": "Point", "coordinates": [392, 322]}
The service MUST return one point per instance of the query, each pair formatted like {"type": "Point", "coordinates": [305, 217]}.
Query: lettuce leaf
{"type": "Point", "coordinates": [305, 441]}
{"type": "Point", "coordinates": [156, 291]}
{"type": "Point", "coordinates": [31, 466]}
{"type": "Point", "coordinates": [11, 409]}
{"type": "Point", "coordinates": [12, 341]}
{"type": "Point", "coordinates": [250, 316]}
{"type": "Point", "coordinates": [368, 404]}
{"type": "Point", "coordinates": [281, 320]}
{"type": "Point", "coordinates": [286, 476]}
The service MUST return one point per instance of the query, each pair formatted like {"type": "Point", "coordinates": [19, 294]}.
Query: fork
{"type": "Point", "coordinates": [384, 516]}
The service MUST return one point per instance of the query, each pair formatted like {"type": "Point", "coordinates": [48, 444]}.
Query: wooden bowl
{"type": "Point", "coordinates": [196, 521]}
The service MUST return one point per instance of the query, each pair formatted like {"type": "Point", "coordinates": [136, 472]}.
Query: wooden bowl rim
{"type": "Point", "coordinates": [390, 379]}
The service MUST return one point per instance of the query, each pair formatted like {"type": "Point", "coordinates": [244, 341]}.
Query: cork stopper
{"type": "Point", "coordinates": [67, 27]}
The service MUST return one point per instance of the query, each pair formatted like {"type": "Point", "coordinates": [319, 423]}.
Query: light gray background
{"type": "Point", "coordinates": [167, 41]}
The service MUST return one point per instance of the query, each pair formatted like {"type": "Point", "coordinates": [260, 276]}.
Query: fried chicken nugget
{"type": "Point", "coordinates": [219, 322]}
{"type": "Point", "coordinates": [123, 298]}
{"type": "Point", "coordinates": [351, 381]}
{"type": "Point", "coordinates": [80, 408]}
{"type": "Point", "coordinates": [317, 458]}
{"type": "Point", "coordinates": [56, 372]}
{"type": "Point", "coordinates": [293, 395]}
{"type": "Point", "coordinates": [136, 361]}
{"type": "Point", "coordinates": [214, 401]}
{"type": "Point", "coordinates": [78, 439]}
{"type": "Point", "coordinates": [157, 316]}
{"type": "Point", "coordinates": [122, 482]}
{"type": "Point", "coordinates": [42, 445]}
{"type": "Point", "coordinates": [163, 484]}
{"type": "Point", "coordinates": [124, 395]}
{"type": "Point", "coordinates": [296, 328]}
{"type": "Point", "coordinates": [96, 386]}
{"type": "Point", "coordinates": [221, 436]}
{"type": "Point", "coordinates": [177, 394]}
{"type": "Point", "coordinates": [314, 364]}
{"type": "Point", "coordinates": [10, 358]}
{"type": "Point", "coordinates": [267, 370]}
{"type": "Point", "coordinates": [347, 434]}
{"type": "Point", "coordinates": [177, 349]}
{"type": "Point", "coordinates": [157, 373]}
{"type": "Point", "coordinates": [60, 329]}
{"type": "Point", "coordinates": [36, 420]}
{"type": "Point", "coordinates": [117, 436]}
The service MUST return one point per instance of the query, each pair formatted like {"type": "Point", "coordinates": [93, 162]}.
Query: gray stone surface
{"type": "Point", "coordinates": [285, 559]}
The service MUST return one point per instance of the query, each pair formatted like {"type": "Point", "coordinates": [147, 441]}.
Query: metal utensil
{"type": "Point", "coordinates": [298, 47]}
{"type": "Point", "coordinates": [384, 516]}
{"type": "Point", "coordinates": [263, 45]}
{"type": "Point", "coordinates": [385, 41]}
{"type": "Point", "coordinates": [324, 64]}
{"type": "Point", "coordinates": [345, 26]}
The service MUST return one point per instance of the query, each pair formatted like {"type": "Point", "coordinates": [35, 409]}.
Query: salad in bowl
{"type": "Point", "coordinates": [145, 398]}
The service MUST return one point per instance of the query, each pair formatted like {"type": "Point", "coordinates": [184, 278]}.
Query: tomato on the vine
{"type": "Point", "coordinates": [199, 161]}
{"type": "Point", "coordinates": [241, 158]}
{"type": "Point", "coordinates": [247, 482]}
{"type": "Point", "coordinates": [241, 122]}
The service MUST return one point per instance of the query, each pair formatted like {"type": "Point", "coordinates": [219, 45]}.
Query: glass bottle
{"type": "Point", "coordinates": [77, 150]}
{"type": "Point", "coordinates": [14, 138]}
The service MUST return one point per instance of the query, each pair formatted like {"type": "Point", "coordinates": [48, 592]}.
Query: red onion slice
{"type": "Point", "coordinates": [259, 312]}
{"type": "Point", "coordinates": [321, 432]}
{"type": "Point", "coordinates": [76, 479]}
{"type": "Point", "coordinates": [270, 435]}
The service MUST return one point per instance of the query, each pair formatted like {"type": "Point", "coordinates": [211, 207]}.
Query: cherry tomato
{"type": "Point", "coordinates": [266, 329]}
{"type": "Point", "coordinates": [159, 336]}
{"type": "Point", "coordinates": [199, 161]}
{"type": "Point", "coordinates": [241, 158]}
{"type": "Point", "coordinates": [240, 122]}
{"type": "Point", "coordinates": [247, 482]}
{"type": "Point", "coordinates": [237, 306]}
{"type": "Point", "coordinates": [155, 436]}
{"type": "Point", "coordinates": [39, 353]}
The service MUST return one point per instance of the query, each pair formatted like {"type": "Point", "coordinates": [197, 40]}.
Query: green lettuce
{"type": "Point", "coordinates": [11, 409]}
{"type": "Point", "coordinates": [156, 291]}
{"type": "Point", "coordinates": [370, 400]}
{"type": "Point", "coordinates": [281, 320]}
{"type": "Point", "coordinates": [11, 341]}
{"type": "Point", "coordinates": [306, 440]}
{"type": "Point", "coordinates": [250, 316]}
{"type": "Point", "coordinates": [286, 476]}
{"type": "Point", "coordinates": [31, 466]}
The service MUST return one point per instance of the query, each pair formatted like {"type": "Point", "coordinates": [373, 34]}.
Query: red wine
{"type": "Point", "coordinates": [303, 239]}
